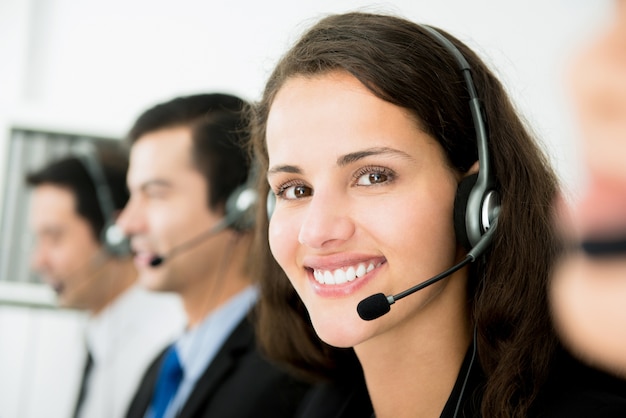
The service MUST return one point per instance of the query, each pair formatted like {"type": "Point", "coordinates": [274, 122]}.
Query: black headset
{"type": "Point", "coordinates": [241, 203]}
{"type": "Point", "coordinates": [477, 203]}
{"type": "Point", "coordinates": [112, 238]}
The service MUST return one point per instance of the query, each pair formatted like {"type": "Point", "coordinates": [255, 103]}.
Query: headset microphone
{"type": "Point", "coordinates": [157, 260]}
{"type": "Point", "coordinates": [377, 305]}
{"type": "Point", "coordinates": [604, 247]}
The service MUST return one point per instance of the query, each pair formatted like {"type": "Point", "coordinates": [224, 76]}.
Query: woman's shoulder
{"type": "Point", "coordinates": [575, 389]}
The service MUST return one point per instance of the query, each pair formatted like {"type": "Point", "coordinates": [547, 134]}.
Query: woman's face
{"type": "Point", "coordinates": [364, 205]}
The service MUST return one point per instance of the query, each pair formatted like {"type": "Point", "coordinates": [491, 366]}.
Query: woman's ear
{"type": "Point", "coordinates": [473, 169]}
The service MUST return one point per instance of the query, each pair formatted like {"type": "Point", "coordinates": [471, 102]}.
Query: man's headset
{"type": "Point", "coordinates": [112, 238]}
{"type": "Point", "coordinates": [239, 213]}
{"type": "Point", "coordinates": [241, 203]}
{"type": "Point", "coordinates": [239, 210]}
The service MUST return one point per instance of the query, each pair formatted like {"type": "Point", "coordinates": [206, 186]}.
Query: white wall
{"type": "Point", "coordinates": [94, 65]}
{"type": "Point", "coordinates": [41, 361]}
{"type": "Point", "coordinates": [91, 66]}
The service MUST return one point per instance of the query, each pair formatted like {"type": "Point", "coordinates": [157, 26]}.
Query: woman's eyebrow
{"type": "Point", "coordinates": [358, 155]}
{"type": "Point", "coordinates": [343, 160]}
{"type": "Point", "coordinates": [293, 169]}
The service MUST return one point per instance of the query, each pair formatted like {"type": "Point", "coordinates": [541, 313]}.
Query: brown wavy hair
{"type": "Point", "coordinates": [401, 63]}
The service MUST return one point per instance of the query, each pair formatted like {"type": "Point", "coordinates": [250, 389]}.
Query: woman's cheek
{"type": "Point", "coordinates": [280, 239]}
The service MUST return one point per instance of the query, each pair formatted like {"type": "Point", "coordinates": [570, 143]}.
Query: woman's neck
{"type": "Point", "coordinates": [411, 369]}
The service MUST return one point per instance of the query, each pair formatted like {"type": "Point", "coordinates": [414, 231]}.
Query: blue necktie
{"type": "Point", "coordinates": [170, 376]}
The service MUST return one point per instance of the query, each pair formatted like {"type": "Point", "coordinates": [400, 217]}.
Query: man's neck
{"type": "Point", "coordinates": [203, 300]}
{"type": "Point", "coordinates": [209, 293]}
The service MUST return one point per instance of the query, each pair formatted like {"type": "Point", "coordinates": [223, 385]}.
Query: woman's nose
{"type": "Point", "coordinates": [327, 222]}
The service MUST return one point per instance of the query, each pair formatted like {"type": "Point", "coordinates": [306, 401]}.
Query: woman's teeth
{"type": "Point", "coordinates": [343, 275]}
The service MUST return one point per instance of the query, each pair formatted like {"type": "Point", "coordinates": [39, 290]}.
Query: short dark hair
{"type": "Point", "coordinates": [218, 126]}
{"type": "Point", "coordinates": [71, 173]}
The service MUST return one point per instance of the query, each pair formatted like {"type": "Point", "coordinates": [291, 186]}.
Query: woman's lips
{"type": "Point", "coordinates": [343, 281]}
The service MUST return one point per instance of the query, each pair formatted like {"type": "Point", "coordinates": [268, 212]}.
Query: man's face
{"type": "Point", "coordinates": [167, 210]}
{"type": "Point", "coordinates": [67, 254]}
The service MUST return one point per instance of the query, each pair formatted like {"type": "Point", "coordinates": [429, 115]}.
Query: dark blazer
{"type": "Point", "coordinates": [576, 390]}
{"type": "Point", "coordinates": [238, 383]}
{"type": "Point", "coordinates": [344, 396]}
{"type": "Point", "coordinates": [343, 399]}
{"type": "Point", "coordinates": [573, 390]}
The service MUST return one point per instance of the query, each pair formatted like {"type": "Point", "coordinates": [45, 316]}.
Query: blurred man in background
{"type": "Point", "coordinates": [74, 202]}
{"type": "Point", "coordinates": [188, 217]}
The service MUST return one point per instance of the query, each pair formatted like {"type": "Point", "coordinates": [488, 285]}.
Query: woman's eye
{"type": "Point", "coordinates": [372, 177]}
{"type": "Point", "coordinates": [294, 192]}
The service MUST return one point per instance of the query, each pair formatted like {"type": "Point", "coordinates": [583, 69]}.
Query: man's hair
{"type": "Point", "coordinates": [218, 126]}
{"type": "Point", "coordinates": [70, 172]}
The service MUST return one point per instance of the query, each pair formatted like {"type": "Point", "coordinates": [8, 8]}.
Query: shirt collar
{"type": "Point", "coordinates": [199, 345]}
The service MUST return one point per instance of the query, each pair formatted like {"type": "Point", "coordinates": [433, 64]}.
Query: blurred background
{"type": "Point", "coordinates": [73, 70]}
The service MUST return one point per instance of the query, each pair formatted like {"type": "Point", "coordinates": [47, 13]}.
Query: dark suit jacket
{"type": "Point", "coordinates": [238, 383]}
{"type": "Point", "coordinates": [573, 390]}
{"type": "Point", "coordinates": [576, 390]}
{"type": "Point", "coordinates": [342, 399]}
{"type": "Point", "coordinates": [344, 396]}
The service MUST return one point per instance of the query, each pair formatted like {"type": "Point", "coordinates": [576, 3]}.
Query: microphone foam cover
{"type": "Point", "coordinates": [156, 261]}
{"type": "Point", "coordinates": [604, 247]}
{"type": "Point", "coordinates": [373, 307]}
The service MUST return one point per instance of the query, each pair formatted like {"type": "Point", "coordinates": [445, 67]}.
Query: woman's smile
{"type": "Point", "coordinates": [334, 282]}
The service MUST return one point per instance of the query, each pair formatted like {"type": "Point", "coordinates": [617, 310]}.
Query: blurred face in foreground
{"type": "Point", "coordinates": [589, 291]}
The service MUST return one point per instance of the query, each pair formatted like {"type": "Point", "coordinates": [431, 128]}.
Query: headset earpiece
{"type": "Point", "coordinates": [474, 211]}
{"type": "Point", "coordinates": [240, 207]}
{"type": "Point", "coordinates": [270, 203]}
{"type": "Point", "coordinates": [114, 241]}
{"type": "Point", "coordinates": [460, 209]}
{"type": "Point", "coordinates": [241, 204]}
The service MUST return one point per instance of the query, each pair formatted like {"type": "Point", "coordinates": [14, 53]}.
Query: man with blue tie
{"type": "Point", "coordinates": [189, 221]}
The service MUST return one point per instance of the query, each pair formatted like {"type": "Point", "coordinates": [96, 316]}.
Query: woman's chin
{"type": "Point", "coordinates": [341, 333]}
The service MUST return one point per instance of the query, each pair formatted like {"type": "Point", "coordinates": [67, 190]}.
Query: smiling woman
{"type": "Point", "coordinates": [372, 139]}
{"type": "Point", "coordinates": [369, 160]}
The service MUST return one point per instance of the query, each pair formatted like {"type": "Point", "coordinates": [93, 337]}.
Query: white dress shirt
{"type": "Point", "coordinates": [124, 340]}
